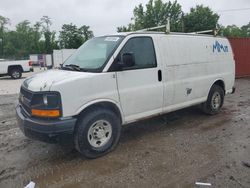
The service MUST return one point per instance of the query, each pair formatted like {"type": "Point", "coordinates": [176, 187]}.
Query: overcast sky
{"type": "Point", "coordinates": [103, 16]}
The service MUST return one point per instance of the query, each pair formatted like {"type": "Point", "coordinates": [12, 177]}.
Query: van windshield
{"type": "Point", "coordinates": [93, 55]}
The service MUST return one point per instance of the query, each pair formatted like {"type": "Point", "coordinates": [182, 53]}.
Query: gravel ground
{"type": "Point", "coordinates": [173, 150]}
{"type": "Point", "coordinates": [11, 86]}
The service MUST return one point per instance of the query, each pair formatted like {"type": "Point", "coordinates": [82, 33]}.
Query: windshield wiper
{"type": "Point", "coordinates": [73, 67]}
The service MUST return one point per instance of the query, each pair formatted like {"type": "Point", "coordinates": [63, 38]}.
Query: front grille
{"type": "Point", "coordinates": [25, 98]}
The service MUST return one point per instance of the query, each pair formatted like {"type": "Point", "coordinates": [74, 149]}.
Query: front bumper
{"type": "Point", "coordinates": [51, 131]}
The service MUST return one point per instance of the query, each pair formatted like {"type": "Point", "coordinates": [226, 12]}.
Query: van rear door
{"type": "Point", "coordinates": [140, 86]}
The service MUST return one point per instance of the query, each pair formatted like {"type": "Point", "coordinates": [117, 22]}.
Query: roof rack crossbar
{"type": "Point", "coordinates": [167, 26]}
{"type": "Point", "coordinates": [202, 32]}
{"type": "Point", "coordinates": [152, 28]}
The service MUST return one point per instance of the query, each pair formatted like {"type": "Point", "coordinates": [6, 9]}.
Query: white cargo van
{"type": "Point", "coordinates": [117, 79]}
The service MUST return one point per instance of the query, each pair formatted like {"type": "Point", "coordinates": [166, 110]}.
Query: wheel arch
{"type": "Point", "coordinates": [106, 104]}
{"type": "Point", "coordinates": [11, 67]}
{"type": "Point", "coordinates": [220, 82]}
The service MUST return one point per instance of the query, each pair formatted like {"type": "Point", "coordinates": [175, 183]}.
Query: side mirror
{"type": "Point", "coordinates": [128, 59]}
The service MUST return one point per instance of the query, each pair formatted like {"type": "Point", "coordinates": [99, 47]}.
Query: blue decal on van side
{"type": "Point", "coordinates": [219, 47]}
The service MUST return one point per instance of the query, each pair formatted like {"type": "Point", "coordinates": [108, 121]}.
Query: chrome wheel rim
{"type": "Point", "coordinates": [216, 100]}
{"type": "Point", "coordinates": [99, 133]}
{"type": "Point", "coordinates": [16, 74]}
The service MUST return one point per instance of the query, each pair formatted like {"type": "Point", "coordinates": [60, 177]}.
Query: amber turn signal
{"type": "Point", "coordinates": [45, 113]}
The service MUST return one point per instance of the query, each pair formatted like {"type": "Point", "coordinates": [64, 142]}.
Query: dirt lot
{"type": "Point", "coordinates": [174, 150]}
{"type": "Point", "coordinates": [10, 86]}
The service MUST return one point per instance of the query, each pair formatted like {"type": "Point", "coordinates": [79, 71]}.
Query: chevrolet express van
{"type": "Point", "coordinates": [118, 79]}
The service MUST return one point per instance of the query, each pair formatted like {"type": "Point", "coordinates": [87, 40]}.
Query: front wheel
{"type": "Point", "coordinates": [97, 133]}
{"type": "Point", "coordinates": [214, 101]}
{"type": "Point", "coordinates": [16, 73]}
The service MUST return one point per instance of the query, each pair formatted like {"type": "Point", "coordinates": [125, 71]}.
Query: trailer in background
{"type": "Point", "coordinates": [59, 56]}
{"type": "Point", "coordinates": [241, 50]}
{"type": "Point", "coordinates": [48, 60]}
{"type": "Point", "coordinates": [43, 60]}
{"type": "Point", "coordinates": [34, 59]}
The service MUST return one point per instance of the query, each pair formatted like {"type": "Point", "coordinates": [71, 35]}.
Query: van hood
{"type": "Point", "coordinates": [44, 80]}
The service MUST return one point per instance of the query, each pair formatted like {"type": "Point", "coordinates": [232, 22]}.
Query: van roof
{"type": "Point", "coordinates": [163, 33]}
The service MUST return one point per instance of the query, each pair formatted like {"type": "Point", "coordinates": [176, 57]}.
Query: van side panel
{"type": "Point", "coordinates": [87, 89]}
{"type": "Point", "coordinates": [191, 65]}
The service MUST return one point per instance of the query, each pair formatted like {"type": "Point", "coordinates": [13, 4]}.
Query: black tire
{"type": "Point", "coordinates": [15, 73]}
{"type": "Point", "coordinates": [212, 106]}
{"type": "Point", "coordinates": [86, 123]}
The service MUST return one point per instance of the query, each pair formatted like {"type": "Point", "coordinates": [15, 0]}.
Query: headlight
{"type": "Point", "coordinates": [46, 105]}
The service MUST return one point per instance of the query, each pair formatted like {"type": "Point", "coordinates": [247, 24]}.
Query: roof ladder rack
{"type": "Point", "coordinates": [215, 31]}
{"type": "Point", "coordinates": [167, 26]}
{"type": "Point", "coordinates": [167, 31]}
{"type": "Point", "coordinates": [202, 32]}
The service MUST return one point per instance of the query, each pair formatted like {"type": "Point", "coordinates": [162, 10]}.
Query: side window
{"type": "Point", "coordinates": [143, 50]}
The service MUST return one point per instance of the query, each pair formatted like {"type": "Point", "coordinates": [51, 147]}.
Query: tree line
{"type": "Point", "coordinates": [199, 18]}
{"type": "Point", "coordinates": [38, 38]}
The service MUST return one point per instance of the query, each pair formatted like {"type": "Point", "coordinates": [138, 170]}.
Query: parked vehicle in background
{"type": "Point", "coordinates": [48, 58]}
{"type": "Point", "coordinates": [15, 68]}
{"type": "Point", "coordinates": [41, 60]}
{"type": "Point", "coordinates": [118, 79]}
{"type": "Point", "coordinates": [59, 56]}
{"type": "Point", "coordinates": [34, 60]}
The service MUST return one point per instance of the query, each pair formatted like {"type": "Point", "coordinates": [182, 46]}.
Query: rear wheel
{"type": "Point", "coordinates": [16, 73]}
{"type": "Point", "coordinates": [214, 101]}
{"type": "Point", "coordinates": [97, 133]}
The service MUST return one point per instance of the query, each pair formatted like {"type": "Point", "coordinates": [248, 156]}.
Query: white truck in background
{"type": "Point", "coordinates": [15, 68]}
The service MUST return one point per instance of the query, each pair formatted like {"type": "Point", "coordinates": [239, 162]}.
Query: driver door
{"type": "Point", "coordinates": [140, 87]}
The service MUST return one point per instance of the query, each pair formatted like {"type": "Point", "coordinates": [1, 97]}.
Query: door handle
{"type": "Point", "coordinates": [159, 76]}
